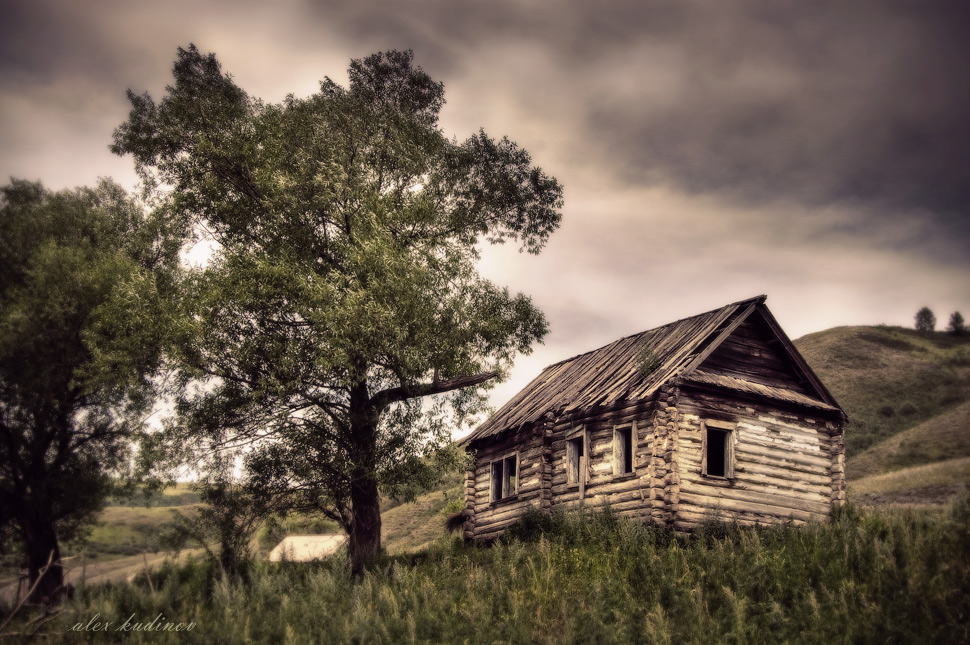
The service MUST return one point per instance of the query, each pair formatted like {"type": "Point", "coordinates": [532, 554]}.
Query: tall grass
{"type": "Point", "coordinates": [595, 578]}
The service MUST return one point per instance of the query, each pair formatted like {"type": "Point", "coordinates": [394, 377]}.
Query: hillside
{"type": "Point", "coordinates": [926, 485]}
{"type": "Point", "coordinates": [891, 379]}
{"type": "Point", "coordinates": [942, 437]}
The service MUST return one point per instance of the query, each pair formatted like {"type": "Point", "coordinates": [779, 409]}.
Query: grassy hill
{"type": "Point", "coordinates": [890, 379]}
{"type": "Point", "coordinates": [942, 437]}
{"type": "Point", "coordinates": [907, 394]}
{"type": "Point", "coordinates": [926, 485]}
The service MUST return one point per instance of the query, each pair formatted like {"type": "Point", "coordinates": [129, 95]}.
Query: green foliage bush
{"type": "Point", "coordinates": [901, 576]}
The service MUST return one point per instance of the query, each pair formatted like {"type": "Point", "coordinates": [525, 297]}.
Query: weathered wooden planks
{"type": "Point", "coordinates": [783, 465]}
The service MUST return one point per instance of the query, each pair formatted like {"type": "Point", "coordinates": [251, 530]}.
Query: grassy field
{"type": "Point", "coordinates": [908, 398]}
{"type": "Point", "coordinates": [864, 577]}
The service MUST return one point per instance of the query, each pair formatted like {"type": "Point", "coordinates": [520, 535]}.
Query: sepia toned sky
{"type": "Point", "coordinates": [816, 152]}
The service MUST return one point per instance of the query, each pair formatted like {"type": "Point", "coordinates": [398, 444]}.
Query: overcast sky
{"type": "Point", "coordinates": [817, 152]}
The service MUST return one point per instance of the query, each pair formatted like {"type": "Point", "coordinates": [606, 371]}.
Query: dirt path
{"type": "Point", "coordinates": [94, 573]}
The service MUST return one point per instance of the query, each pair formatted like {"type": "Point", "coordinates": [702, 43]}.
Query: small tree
{"type": "Point", "coordinates": [234, 508]}
{"type": "Point", "coordinates": [925, 320]}
{"type": "Point", "coordinates": [956, 327]}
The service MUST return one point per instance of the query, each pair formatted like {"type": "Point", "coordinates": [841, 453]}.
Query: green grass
{"type": "Point", "coordinates": [889, 379]}
{"type": "Point", "coordinates": [925, 484]}
{"type": "Point", "coordinates": [181, 494]}
{"type": "Point", "coordinates": [863, 577]}
{"type": "Point", "coordinates": [125, 531]}
{"type": "Point", "coordinates": [943, 437]}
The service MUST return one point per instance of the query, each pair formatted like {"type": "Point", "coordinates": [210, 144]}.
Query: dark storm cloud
{"type": "Point", "coordinates": [761, 100]}
{"type": "Point", "coordinates": [43, 43]}
{"type": "Point", "coordinates": [710, 151]}
{"type": "Point", "coordinates": [865, 103]}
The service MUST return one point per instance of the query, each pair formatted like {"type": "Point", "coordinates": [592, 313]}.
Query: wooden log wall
{"type": "Point", "coordinates": [787, 463]}
{"type": "Point", "coordinates": [627, 493]}
{"type": "Point", "coordinates": [488, 519]}
{"type": "Point", "coordinates": [468, 529]}
{"type": "Point", "coordinates": [665, 475]}
{"type": "Point", "coordinates": [837, 471]}
{"type": "Point", "coordinates": [542, 470]}
{"type": "Point", "coordinates": [546, 473]}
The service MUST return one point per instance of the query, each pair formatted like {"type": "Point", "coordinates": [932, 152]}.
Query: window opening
{"type": "Point", "coordinates": [717, 452]}
{"type": "Point", "coordinates": [623, 445]}
{"type": "Point", "coordinates": [574, 459]}
{"type": "Point", "coordinates": [717, 458]}
{"type": "Point", "coordinates": [504, 477]}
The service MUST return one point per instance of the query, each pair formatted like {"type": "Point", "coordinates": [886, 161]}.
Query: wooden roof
{"type": "Point", "coordinates": [613, 374]}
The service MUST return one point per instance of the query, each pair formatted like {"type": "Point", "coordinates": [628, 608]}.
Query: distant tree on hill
{"type": "Point", "coordinates": [925, 320]}
{"type": "Point", "coordinates": [956, 326]}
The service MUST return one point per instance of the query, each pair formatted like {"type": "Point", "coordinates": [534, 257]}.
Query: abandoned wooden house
{"type": "Point", "coordinates": [716, 415]}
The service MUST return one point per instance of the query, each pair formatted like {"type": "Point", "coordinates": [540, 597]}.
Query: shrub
{"type": "Point", "coordinates": [887, 411]}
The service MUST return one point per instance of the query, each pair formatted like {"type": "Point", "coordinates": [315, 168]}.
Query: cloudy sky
{"type": "Point", "coordinates": [817, 152]}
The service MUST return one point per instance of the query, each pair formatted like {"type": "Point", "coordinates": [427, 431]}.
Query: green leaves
{"type": "Point", "coordinates": [85, 278]}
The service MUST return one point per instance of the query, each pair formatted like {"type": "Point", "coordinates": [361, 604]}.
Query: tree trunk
{"type": "Point", "coordinates": [42, 546]}
{"type": "Point", "coordinates": [364, 544]}
{"type": "Point", "coordinates": [232, 559]}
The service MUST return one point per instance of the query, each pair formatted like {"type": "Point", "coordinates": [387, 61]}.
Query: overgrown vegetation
{"type": "Point", "coordinates": [122, 531]}
{"type": "Point", "coordinates": [181, 494]}
{"type": "Point", "coordinates": [901, 576]}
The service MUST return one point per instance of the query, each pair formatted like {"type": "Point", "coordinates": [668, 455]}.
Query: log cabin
{"type": "Point", "coordinates": [713, 416]}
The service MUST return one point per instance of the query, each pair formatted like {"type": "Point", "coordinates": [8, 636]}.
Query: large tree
{"type": "Point", "coordinates": [343, 291]}
{"type": "Point", "coordinates": [83, 275]}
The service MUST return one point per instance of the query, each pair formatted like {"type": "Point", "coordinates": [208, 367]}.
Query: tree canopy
{"type": "Point", "coordinates": [343, 288]}
{"type": "Point", "coordinates": [957, 326]}
{"type": "Point", "coordinates": [83, 274]}
{"type": "Point", "coordinates": [925, 320]}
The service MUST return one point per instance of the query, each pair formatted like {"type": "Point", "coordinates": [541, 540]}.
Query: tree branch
{"type": "Point", "coordinates": [386, 397]}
